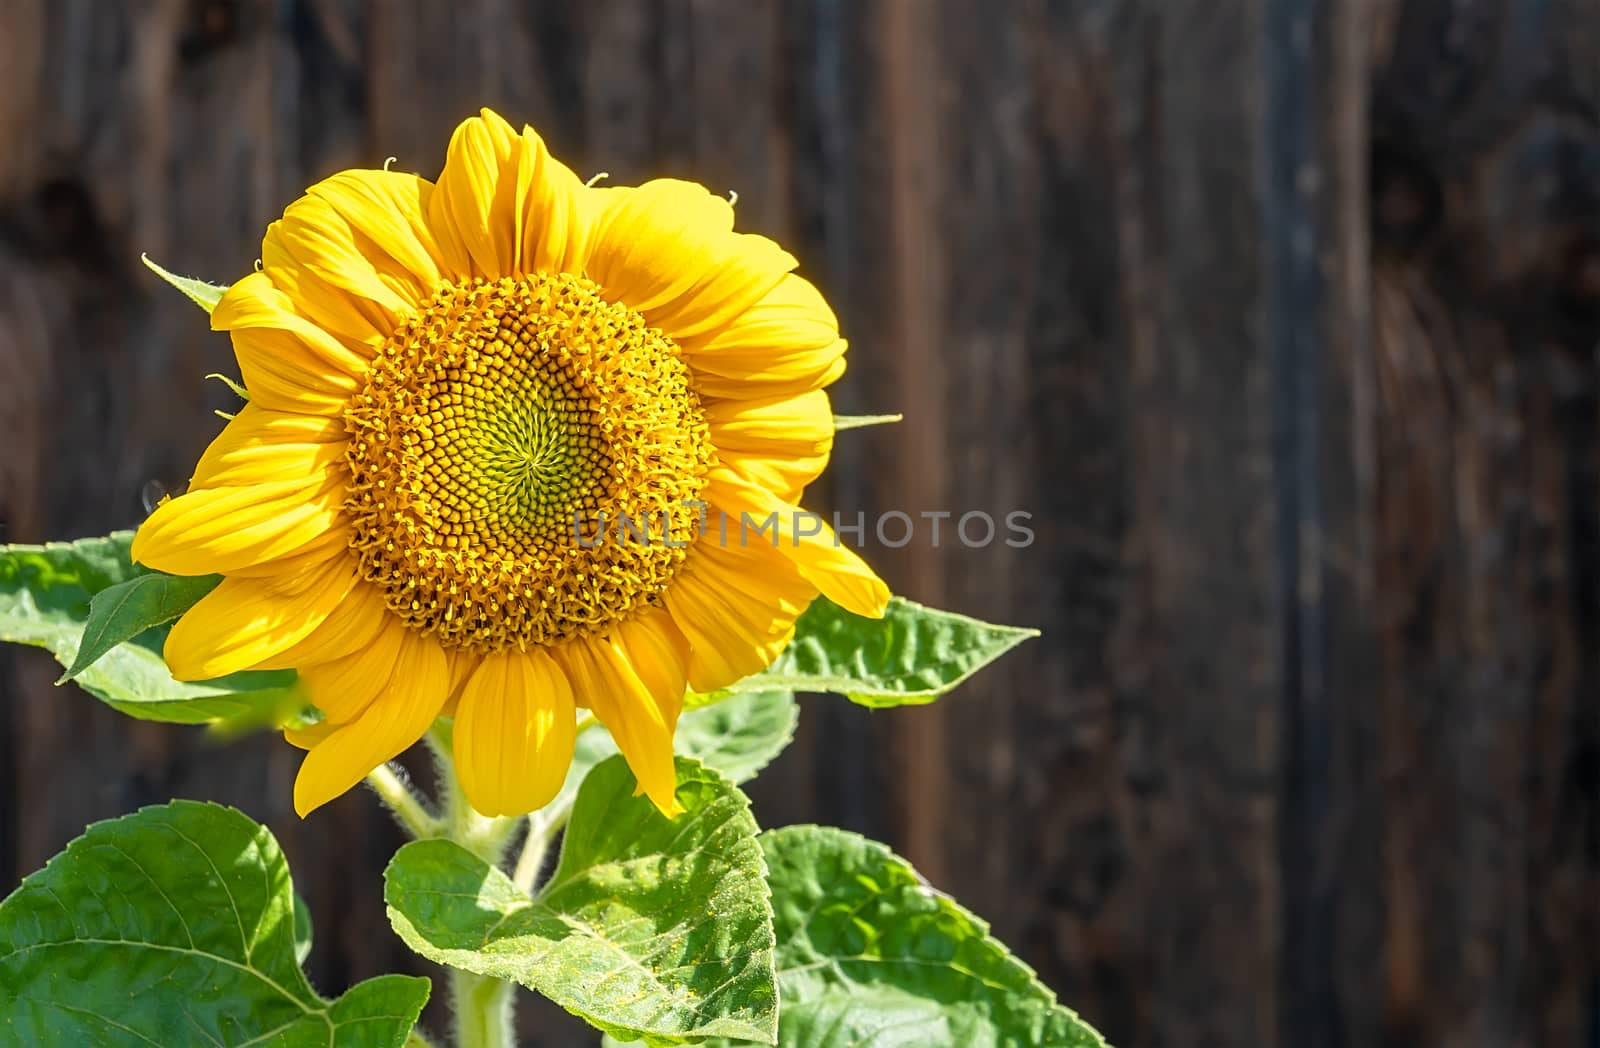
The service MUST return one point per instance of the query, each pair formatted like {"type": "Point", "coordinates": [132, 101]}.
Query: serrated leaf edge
{"type": "Point", "coordinates": [945, 900]}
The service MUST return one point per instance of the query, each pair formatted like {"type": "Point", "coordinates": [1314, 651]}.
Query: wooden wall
{"type": "Point", "coordinates": [1279, 316]}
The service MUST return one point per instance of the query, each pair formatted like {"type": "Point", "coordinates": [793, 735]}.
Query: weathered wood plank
{"type": "Point", "coordinates": [1487, 558]}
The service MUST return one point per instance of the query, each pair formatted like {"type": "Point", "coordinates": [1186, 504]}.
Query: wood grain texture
{"type": "Point", "coordinates": [1278, 316]}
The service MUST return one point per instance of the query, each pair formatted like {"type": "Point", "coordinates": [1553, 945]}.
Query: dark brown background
{"type": "Point", "coordinates": [1279, 315]}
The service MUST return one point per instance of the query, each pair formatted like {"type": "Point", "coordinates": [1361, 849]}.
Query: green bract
{"type": "Point", "coordinates": [844, 422]}
{"type": "Point", "coordinates": [176, 926]}
{"type": "Point", "coordinates": [202, 294]}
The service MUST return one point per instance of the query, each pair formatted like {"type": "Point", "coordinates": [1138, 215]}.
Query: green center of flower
{"type": "Point", "coordinates": [498, 428]}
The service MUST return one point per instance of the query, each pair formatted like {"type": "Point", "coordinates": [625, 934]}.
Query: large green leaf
{"type": "Point", "coordinates": [45, 596]}
{"type": "Point", "coordinates": [911, 656]}
{"type": "Point", "coordinates": [650, 928]}
{"type": "Point", "coordinates": [869, 956]}
{"type": "Point", "coordinates": [120, 613]}
{"type": "Point", "coordinates": [738, 735]}
{"type": "Point", "coordinates": [175, 926]}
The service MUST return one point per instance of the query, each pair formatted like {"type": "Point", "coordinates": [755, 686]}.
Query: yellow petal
{"type": "Point", "coordinates": [831, 566]}
{"type": "Point", "coordinates": [603, 680]}
{"type": "Point", "coordinates": [778, 379]}
{"type": "Point", "coordinates": [788, 342]}
{"type": "Point", "coordinates": [504, 205]}
{"type": "Point", "coordinates": [245, 621]}
{"type": "Point", "coordinates": [342, 688]}
{"type": "Point", "coordinates": [659, 654]}
{"type": "Point", "coordinates": [329, 544]}
{"type": "Point", "coordinates": [558, 213]}
{"type": "Point", "coordinates": [349, 628]}
{"type": "Point", "coordinates": [405, 709]}
{"type": "Point", "coordinates": [287, 363]}
{"type": "Point", "coordinates": [779, 443]}
{"type": "Point", "coordinates": [793, 315]}
{"type": "Point", "coordinates": [737, 606]}
{"type": "Point", "coordinates": [306, 736]}
{"type": "Point", "coordinates": [279, 375]}
{"type": "Point", "coordinates": [387, 212]}
{"type": "Point", "coordinates": [800, 424]}
{"type": "Point", "coordinates": [261, 445]}
{"type": "Point", "coordinates": [256, 304]}
{"type": "Point", "coordinates": [357, 322]}
{"type": "Point", "coordinates": [840, 574]}
{"type": "Point", "coordinates": [220, 530]}
{"type": "Point", "coordinates": [474, 208]}
{"type": "Point", "coordinates": [462, 666]}
{"type": "Point", "coordinates": [667, 250]}
{"type": "Point", "coordinates": [322, 243]}
{"type": "Point", "coordinates": [515, 729]}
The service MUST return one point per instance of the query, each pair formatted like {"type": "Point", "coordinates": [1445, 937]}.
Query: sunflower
{"type": "Point", "coordinates": [489, 418]}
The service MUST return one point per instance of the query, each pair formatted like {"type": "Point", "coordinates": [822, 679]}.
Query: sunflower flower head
{"type": "Point", "coordinates": [493, 425]}
{"type": "Point", "coordinates": [449, 383]}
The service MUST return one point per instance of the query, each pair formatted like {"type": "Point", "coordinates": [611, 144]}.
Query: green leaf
{"type": "Point", "coordinates": [45, 596]}
{"type": "Point", "coordinates": [869, 956]}
{"type": "Point", "coordinates": [738, 735]}
{"type": "Point", "coordinates": [302, 930]}
{"type": "Point", "coordinates": [650, 928]}
{"type": "Point", "coordinates": [844, 422]}
{"type": "Point", "coordinates": [204, 295]}
{"type": "Point", "coordinates": [121, 612]}
{"type": "Point", "coordinates": [175, 926]}
{"type": "Point", "coordinates": [911, 656]}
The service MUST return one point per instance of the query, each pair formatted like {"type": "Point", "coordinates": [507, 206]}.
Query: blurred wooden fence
{"type": "Point", "coordinates": [1278, 315]}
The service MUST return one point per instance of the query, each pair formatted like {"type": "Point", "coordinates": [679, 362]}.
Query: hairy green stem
{"type": "Point", "coordinates": [404, 803]}
{"type": "Point", "coordinates": [483, 1010]}
{"type": "Point", "coordinates": [534, 849]}
{"type": "Point", "coordinates": [483, 1005]}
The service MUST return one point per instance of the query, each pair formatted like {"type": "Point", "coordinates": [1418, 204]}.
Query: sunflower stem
{"type": "Point", "coordinates": [483, 1010]}
{"type": "Point", "coordinates": [483, 1006]}
{"type": "Point", "coordinates": [409, 808]}
{"type": "Point", "coordinates": [534, 849]}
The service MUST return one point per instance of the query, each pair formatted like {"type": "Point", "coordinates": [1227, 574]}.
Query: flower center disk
{"type": "Point", "coordinates": [498, 428]}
